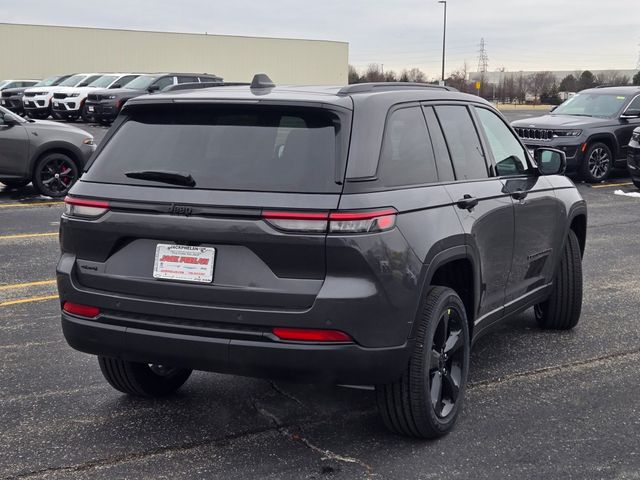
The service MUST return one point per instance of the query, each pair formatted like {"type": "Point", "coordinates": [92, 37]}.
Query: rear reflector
{"type": "Point", "coordinates": [335, 222]}
{"type": "Point", "coordinates": [307, 335]}
{"type": "Point", "coordinates": [81, 310]}
{"type": "Point", "coordinates": [80, 207]}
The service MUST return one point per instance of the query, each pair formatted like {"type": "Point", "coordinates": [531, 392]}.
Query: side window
{"type": "Point", "coordinates": [634, 106]}
{"type": "Point", "coordinates": [443, 161]}
{"type": "Point", "coordinates": [126, 79]}
{"type": "Point", "coordinates": [463, 142]}
{"type": "Point", "coordinates": [187, 79]}
{"type": "Point", "coordinates": [164, 82]}
{"type": "Point", "coordinates": [510, 157]}
{"type": "Point", "coordinates": [407, 155]}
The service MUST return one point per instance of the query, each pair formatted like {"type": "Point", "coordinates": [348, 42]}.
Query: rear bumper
{"type": "Point", "coordinates": [256, 357]}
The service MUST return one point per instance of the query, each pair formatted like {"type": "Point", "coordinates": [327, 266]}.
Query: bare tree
{"type": "Point", "coordinates": [390, 76]}
{"type": "Point", "coordinates": [416, 75]}
{"type": "Point", "coordinates": [459, 78]}
{"type": "Point", "coordinates": [354, 76]}
{"type": "Point", "coordinates": [374, 73]}
{"type": "Point", "coordinates": [539, 83]}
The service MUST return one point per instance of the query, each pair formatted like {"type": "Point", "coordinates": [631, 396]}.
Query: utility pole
{"type": "Point", "coordinates": [444, 37]}
{"type": "Point", "coordinates": [483, 64]}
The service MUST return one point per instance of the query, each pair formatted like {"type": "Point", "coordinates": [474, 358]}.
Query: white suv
{"type": "Point", "coordinates": [38, 100]}
{"type": "Point", "coordinates": [69, 103]}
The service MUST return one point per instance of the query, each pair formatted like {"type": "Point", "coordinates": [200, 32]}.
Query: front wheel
{"type": "Point", "coordinates": [597, 163]}
{"type": "Point", "coordinates": [426, 400]}
{"type": "Point", "coordinates": [86, 116]}
{"type": "Point", "coordinates": [55, 174]}
{"type": "Point", "coordinates": [562, 310]}
{"type": "Point", "coordinates": [142, 379]}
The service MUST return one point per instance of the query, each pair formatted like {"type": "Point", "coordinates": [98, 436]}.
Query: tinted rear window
{"type": "Point", "coordinates": [272, 149]}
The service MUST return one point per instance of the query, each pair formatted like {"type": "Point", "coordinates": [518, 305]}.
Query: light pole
{"type": "Point", "coordinates": [444, 36]}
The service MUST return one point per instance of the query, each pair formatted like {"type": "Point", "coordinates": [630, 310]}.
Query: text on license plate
{"type": "Point", "coordinates": [185, 263]}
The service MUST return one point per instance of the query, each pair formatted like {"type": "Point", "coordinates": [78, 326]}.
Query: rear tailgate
{"type": "Point", "coordinates": [244, 161]}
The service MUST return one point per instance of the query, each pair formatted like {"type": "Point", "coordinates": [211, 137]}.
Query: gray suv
{"type": "Point", "coordinates": [593, 128]}
{"type": "Point", "coordinates": [48, 154]}
{"type": "Point", "coordinates": [360, 235]}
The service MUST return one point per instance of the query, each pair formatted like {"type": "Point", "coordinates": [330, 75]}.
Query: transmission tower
{"type": "Point", "coordinates": [483, 63]}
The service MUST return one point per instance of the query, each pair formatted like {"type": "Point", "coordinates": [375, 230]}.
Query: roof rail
{"type": "Point", "coordinates": [387, 86]}
{"type": "Point", "coordinates": [262, 80]}
{"type": "Point", "coordinates": [617, 86]}
{"type": "Point", "coordinates": [196, 85]}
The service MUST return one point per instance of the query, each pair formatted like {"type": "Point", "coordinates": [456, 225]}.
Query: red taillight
{"type": "Point", "coordinates": [81, 207]}
{"type": "Point", "coordinates": [81, 310]}
{"type": "Point", "coordinates": [335, 222]}
{"type": "Point", "coordinates": [308, 335]}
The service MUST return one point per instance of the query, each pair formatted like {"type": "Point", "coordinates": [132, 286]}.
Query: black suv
{"type": "Point", "coordinates": [593, 128]}
{"type": "Point", "coordinates": [105, 105]}
{"type": "Point", "coordinates": [363, 235]}
{"type": "Point", "coordinates": [633, 159]}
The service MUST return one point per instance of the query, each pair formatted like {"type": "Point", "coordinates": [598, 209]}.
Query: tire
{"type": "Point", "coordinates": [54, 174]}
{"type": "Point", "coordinates": [406, 405]}
{"type": "Point", "coordinates": [55, 115]}
{"type": "Point", "coordinates": [141, 379]}
{"type": "Point", "coordinates": [562, 310]}
{"type": "Point", "coordinates": [637, 184]}
{"type": "Point", "coordinates": [597, 163]}
{"type": "Point", "coordinates": [86, 117]}
{"type": "Point", "coordinates": [15, 183]}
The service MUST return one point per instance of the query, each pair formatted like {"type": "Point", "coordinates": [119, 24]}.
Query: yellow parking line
{"type": "Point", "coordinates": [28, 284]}
{"type": "Point", "coordinates": [606, 185]}
{"type": "Point", "coordinates": [32, 204]}
{"type": "Point", "coordinates": [28, 235]}
{"type": "Point", "coordinates": [27, 300]}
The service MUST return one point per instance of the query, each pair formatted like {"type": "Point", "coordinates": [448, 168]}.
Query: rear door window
{"type": "Point", "coordinates": [462, 141]}
{"type": "Point", "coordinates": [407, 156]}
{"type": "Point", "coordinates": [163, 82]}
{"type": "Point", "coordinates": [266, 148]}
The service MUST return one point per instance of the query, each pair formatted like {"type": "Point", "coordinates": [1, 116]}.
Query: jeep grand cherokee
{"type": "Point", "coordinates": [356, 235]}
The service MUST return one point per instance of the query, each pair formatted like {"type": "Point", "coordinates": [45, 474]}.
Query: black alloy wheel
{"type": "Point", "coordinates": [55, 174]}
{"type": "Point", "coordinates": [426, 400]}
{"type": "Point", "coordinates": [597, 163]}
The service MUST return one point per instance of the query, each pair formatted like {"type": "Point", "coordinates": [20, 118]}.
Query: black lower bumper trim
{"type": "Point", "coordinates": [337, 363]}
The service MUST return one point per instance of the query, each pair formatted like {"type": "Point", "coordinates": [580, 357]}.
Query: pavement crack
{"type": "Point", "coordinates": [296, 437]}
{"type": "Point", "coordinates": [285, 394]}
{"type": "Point", "coordinates": [553, 369]}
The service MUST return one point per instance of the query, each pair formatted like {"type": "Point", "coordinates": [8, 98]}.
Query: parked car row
{"type": "Point", "coordinates": [593, 128]}
{"type": "Point", "coordinates": [92, 97]}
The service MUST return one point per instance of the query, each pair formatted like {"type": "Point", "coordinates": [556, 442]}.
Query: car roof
{"type": "Point", "coordinates": [333, 95]}
{"type": "Point", "coordinates": [618, 90]}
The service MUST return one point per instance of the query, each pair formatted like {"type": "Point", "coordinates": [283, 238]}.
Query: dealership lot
{"type": "Point", "coordinates": [540, 404]}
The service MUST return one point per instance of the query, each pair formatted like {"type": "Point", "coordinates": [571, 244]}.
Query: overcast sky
{"type": "Point", "coordinates": [519, 34]}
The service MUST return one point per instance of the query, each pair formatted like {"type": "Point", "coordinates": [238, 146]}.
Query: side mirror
{"type": "Point", "coordinates": [630, 114]}
{"type": "Point", "coordinates": [153, 88]}
{"type": "Point", "coordinates": [550, 161]}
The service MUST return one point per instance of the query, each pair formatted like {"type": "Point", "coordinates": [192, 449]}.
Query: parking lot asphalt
{"type": "Point", "coordinates": [540, 404]}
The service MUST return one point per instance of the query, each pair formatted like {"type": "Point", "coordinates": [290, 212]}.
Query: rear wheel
{"type": "Point", "coordinates": [597, 163]}
{"type": "Point", "coordinates": [55, 174]}
{"type": "Point", "coordinates": [15, 183]}
{"type": "Point", "coordinates": [562, 310]}
{"type": "Point", "coordinates": [142, 379]}
{"type": "Point", "coordinates": [426, 400]}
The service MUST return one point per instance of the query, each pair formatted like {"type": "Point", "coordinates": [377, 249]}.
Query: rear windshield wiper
{"type": "Point", "coordinates": [173, 178]}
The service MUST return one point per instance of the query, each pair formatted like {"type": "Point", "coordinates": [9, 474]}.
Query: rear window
{"type": "Point", "coordinates": [264, 148]}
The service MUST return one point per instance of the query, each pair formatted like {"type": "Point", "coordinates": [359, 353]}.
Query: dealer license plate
{"type": "Point", "coordinates": [184, 263]}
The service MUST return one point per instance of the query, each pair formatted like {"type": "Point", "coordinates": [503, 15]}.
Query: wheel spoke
{"type": "Point", "coordinates": [434, 361]}
{"type": "Point", "coordinates": [48, 181]}
{"type": "Point", "coordinates": [436, 392]}
{"type": "Point", "coordinates": [452, 382]}
{"type": "Point", "coordinates": [454, 342]}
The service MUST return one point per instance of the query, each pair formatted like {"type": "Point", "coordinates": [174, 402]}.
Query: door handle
{"type": "Point", "coordinates": [467, 202]}
{"type": "Point", "coordinates": [519, 194]}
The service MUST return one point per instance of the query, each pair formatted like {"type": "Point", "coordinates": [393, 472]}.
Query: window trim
{"type": "Point", "coordinates": [488, 159]}
{"type": "Point", "coordinates": [533, 169]}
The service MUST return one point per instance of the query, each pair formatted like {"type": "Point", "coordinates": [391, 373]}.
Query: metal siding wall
{"type": "Point", "coordinates": [33, 51]}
